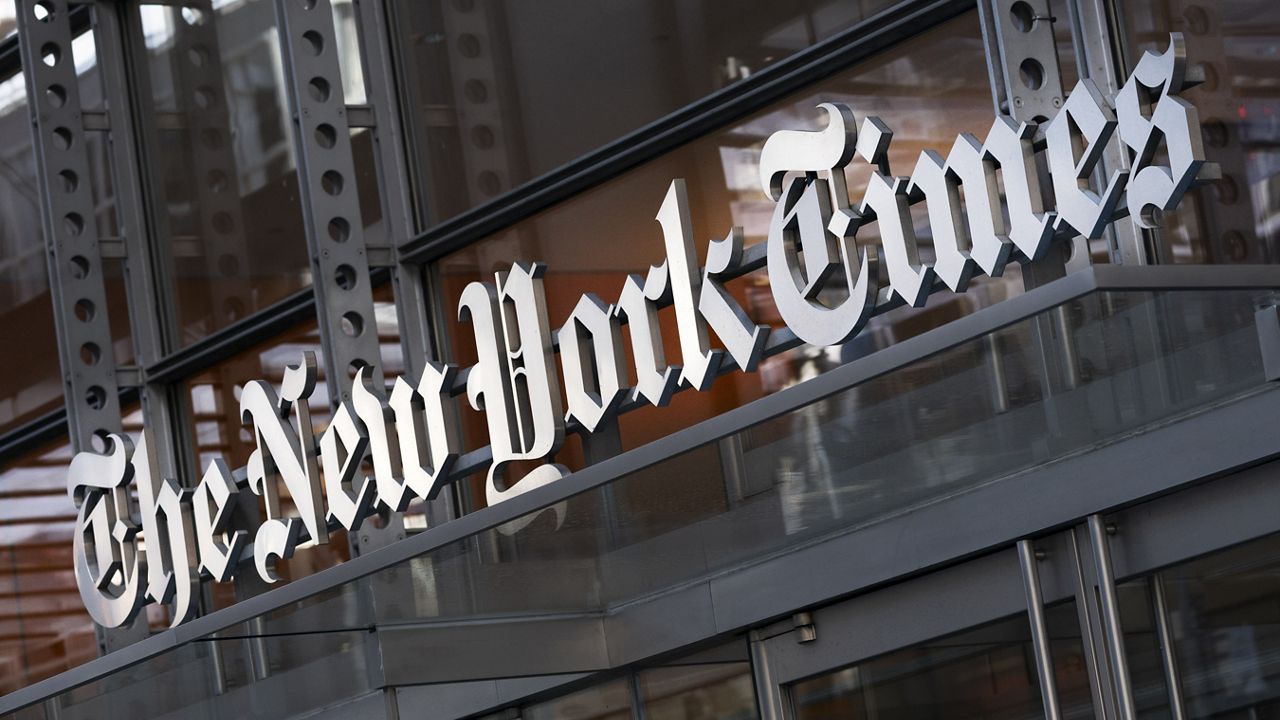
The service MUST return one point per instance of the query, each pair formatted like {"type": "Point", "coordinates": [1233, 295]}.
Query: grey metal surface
{"type": "Point", "coordinates": [332, 217]}
{"type": "Point", "coordinates": [1028, 560]}
{"type": "Point", "coordinates": [1110, 616]}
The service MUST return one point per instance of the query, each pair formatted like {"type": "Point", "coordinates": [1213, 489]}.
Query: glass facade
{"type": "Point", "coordinates": [1048, 496]}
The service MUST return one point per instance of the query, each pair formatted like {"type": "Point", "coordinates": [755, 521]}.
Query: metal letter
{"type": "Point", "coordinates": [172, 567]}
{"type": "Point", "coordinates": [886, 201]}
{"type": "Point", "coordinates": [426, 428]}
{"type": "Point", "coordinates": [805, 222]}
{"type": "Point", "coordinates": [1008, 144]}
{"type": "Point", "coordinates": [108, 563]}
{"type": "Point", "coordinates": [1148, 111]}
{"type": "Point", "coordinates": [1077, 138]}
{"type": "Point", "coordinates": [698, 359]}
{"type": "Point", "coordinates": [940, 189]}
{"type": "Point", "coordinates": [655, 380]}
{"type": "Point", "coordinates": [282, 455]}
{"type": "Point", "coordinates": [742, 338]}
{"type": "Point", "coordinates": [513, 382]}
{"type": "Point", "coordinates": [591, 355]}
{"type": "Point", "coordinates": [215, 497]}
{"type": "Point", "coordinates": [342, 449]}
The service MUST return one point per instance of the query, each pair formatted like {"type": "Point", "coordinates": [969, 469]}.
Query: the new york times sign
{"type": "Point", "coordinates": [410, 437]}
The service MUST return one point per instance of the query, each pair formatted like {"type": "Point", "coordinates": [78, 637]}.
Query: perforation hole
{"type": "Point", "coordinates": [96, 397]}
{"type": "Point", "coordinates": [331, 182]}
{"type": "Point", "coordinates": [307, 4]}
{"type": "Point", "coordinates": [50, 53]}
{"type": "Point", "coordinates": [469, 45]}
{"type": "Point", "coordinates": [1024, 18]}
{"type": "Point", "coordinates": [90, 354]}
{"type": "Point", "coordinates": [79, 267]}
{"type": "Point", "coordinates": [73, 224]}
{"type": "Point", "coordinates": [319, 89]}
{"type": "Point", "coordinates": [62, 138]}
{"type": "Point", "coordinates": [1032, 73]}
{"type": "Point", "coordinates": [475, 90]}
{"type": "Point", "coordinates": [193, 16]}
{"type": "Point", "coordinates": [228, 265]}
{"type": "Point", "coordinates": [339, 230]}
{"type": "Point", "coordinates": [100, 441]}
{"type": "Point", "coordinates": [217, 182]}
{"type": "Point", "coordinates": [198, 56]}
{"type": "Point", "coordinates": [345, 277]}
{"type": "Point", "coordinates": [204, 97]}
{"type": "Point", "coordinates": [43, 11]}
{"type": "Point", "coordinates": [352, 324]}
{"type": "Point", "coordinates": [85, 310]}
{"type": "Point", "coordinates": [489, 182]}
{"type": "Point", "coordinates": [56, 96]}
{"type": "Point", "coordinates": [70, 181]}
{"type": "Point", "coordinates": [482, 137]}
{"type": "Point", "coordinates": [326, 136]}
{"type": "Point", "coordinates": [314, 41]}
{"type": "Point", "coordinates": [223, 223]}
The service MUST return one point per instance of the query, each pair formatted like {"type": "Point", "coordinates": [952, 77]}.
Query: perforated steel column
{"type": "Point", "coordinates": [330, 204]}
{"type": "Point", "coordinates": [71, 236]}
{"type": "Point", "coordinates": [327, 186]}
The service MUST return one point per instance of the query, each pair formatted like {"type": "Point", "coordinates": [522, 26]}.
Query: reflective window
{"type": "Point", "coordinates": [606, 701]}
{"type": "Point", "coordinates": [502, 92]}
{"type": "Point", "coordinates": [722, 691]}
{"type": "Point", "coordinates": [34, 387]}
{"type": "Point", "coordinates": [929, 89]}
{"type": "Point", "coordinates": [220, 140]}
{"type": "Point", "coordinates": [1223, 612]}
{"type": "Point", "coordinates": [1237, 43]}
{"type": "Point", "coordinates": [987, 672]}
{"type": "Point", "coordinates": [44, 628]}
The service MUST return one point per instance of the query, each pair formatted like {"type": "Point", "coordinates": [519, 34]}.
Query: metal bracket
{"type": "Point", "coordinates": [1268, 322]}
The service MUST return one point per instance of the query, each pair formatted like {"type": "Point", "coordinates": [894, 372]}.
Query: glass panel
{"type": "Point", "coordinates": [723, 691]}
{"type": "Point", "coordinates": [8, 21]}
{"type": "Point", "coordinates": [607, 701]}
{"type": "Point", "coordinates": [987, 672]}
{"type": "Point", "coordinates": [30, 389]}
{"type": "Point", "coordinates": [929, 89]}
{"type": "Point", "coordinates": [502, 92]}
{"type": "Point", "coordinates": [222, 149]}
{"type": "Point", "coordinates": [44, 628]}
{"type": "Point", "coordinates": [1224, 617]}
{"type": "Point", "coordinates": [1237, 42]}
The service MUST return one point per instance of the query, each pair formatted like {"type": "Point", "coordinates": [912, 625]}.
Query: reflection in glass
{"type": "Point", "coordinates": [722, 691]}
{"type": "Point", "coordinates": [985, 673]}
{"type": "Point", "coordinates": [219, 135]}
{"type": "Point", "coordinates": [33, 387]}
{"type": "Point", "coordinates": [1237, 43]}
{"type": "Point", "coordinates": [44, 628]}
{"type": "Point", "coordinates": [502, 92]}
{"type": "Point", "coordinates": [1223, 612]}
{"type": "Point", "coordinates": [606, 701]}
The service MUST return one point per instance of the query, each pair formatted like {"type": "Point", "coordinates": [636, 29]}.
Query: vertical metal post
{"type": "Point", "coordinates": [331, 205]}
{"type": "Point", "coordinates": [1039, 629]}
{"type": "Point", "coordinates": [375, 22]}
{"type": "Point", "coordinates": [74, 252]}
{"type": "Point", "coordinates": [1110, 612]}
{"type": "Point", "coordinates": [1091, 640]}
{"type": "Point", "coordinates": [770, 697]}
{"type": "Point", "coordinates": [1168, 656]}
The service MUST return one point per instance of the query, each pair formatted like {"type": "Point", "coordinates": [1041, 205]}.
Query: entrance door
{"type": "Point", "coordinates": [1170, 609]}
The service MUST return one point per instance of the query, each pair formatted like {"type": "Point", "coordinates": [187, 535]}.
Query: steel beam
{"type": "Point", "coordinates": [331, 211]}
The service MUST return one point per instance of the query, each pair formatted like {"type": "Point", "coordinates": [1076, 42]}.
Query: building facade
{"type": "Point", "coordinates": [1041, 483]}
